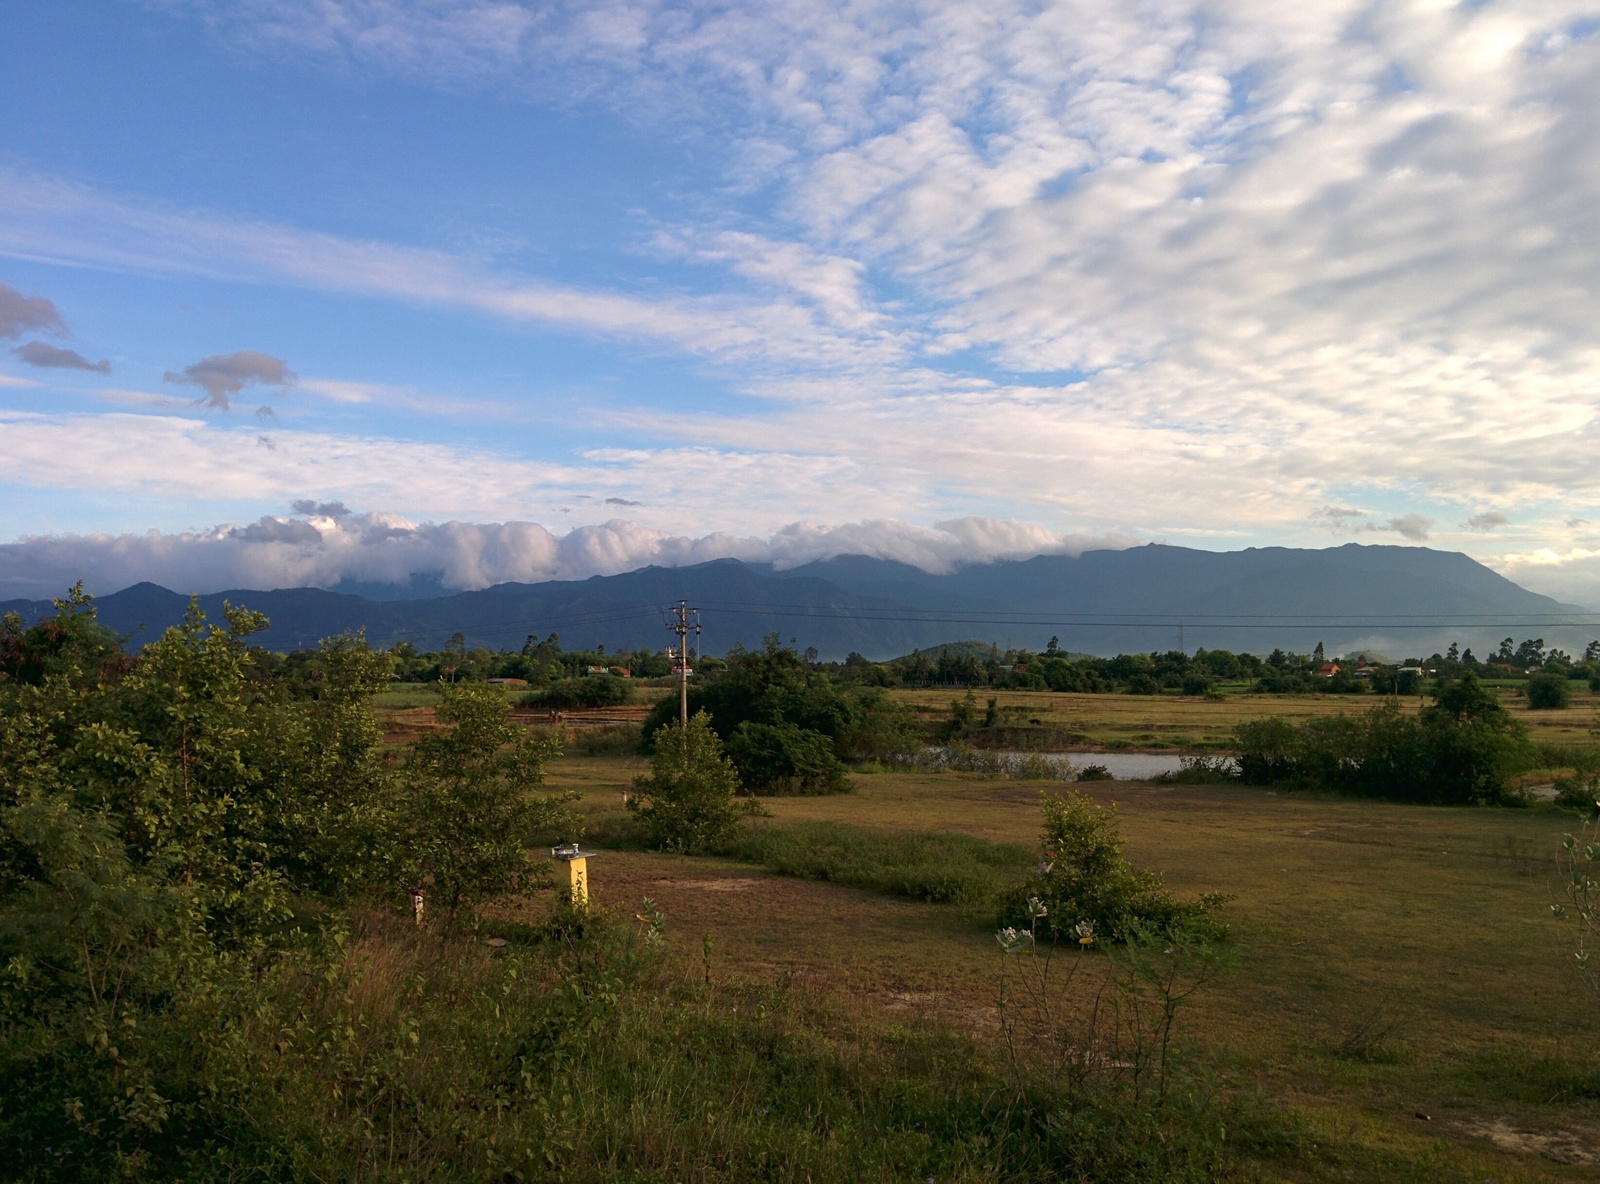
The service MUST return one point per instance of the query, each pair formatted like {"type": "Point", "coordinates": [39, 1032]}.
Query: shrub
{"type": "Point", "coordinates": [1200, 770]}
{"type": "Point", "coordinates": [686, 801]}
{"type": "Point", "coordinates": [1093, 773]}
{"type": "Point", "coordinates": [1549, 691]}
{"type": "Point", "coordinates": [469, 810]}
{"type": "Point", "coordinates": [1085, 878]}
{"type": "Point", "coordinates": [594, 690]}
{"type": "Point", "coordinates": [784, 758]}
{"type": "Point", "coordinates": [1463, 750]}
{"type": "Point", "coordinates": [1578, 792]}
{"type": "Point", "coordinates": [798, 727]}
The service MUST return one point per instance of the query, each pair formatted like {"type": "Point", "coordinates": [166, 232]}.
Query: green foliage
{"type": "Point", "coordinates": [192, 986]}
{"type": "Point", "coordinates": [784, 758]}
{"type": "Point", "coordinates": [1581, 891]}
{"type": "Point", "coordinates": [1462, 750]}
{"type": "Point", "coordinates": [1084, 879]}
{"type": "Point", "coordinates": [787, 726]}
{"type": "Point", "coordinates": [593, 690]}
{"type": "Point", "coordinates": [166, 824]}
{"type": "Point", "coordinates": [920, 865]}
{"type": "Point", "coordinates": [687, 800]}
{"type": "Point", "coordinates": [469, 805]}
{"type": "Point", "coordinates": [1549, 691]}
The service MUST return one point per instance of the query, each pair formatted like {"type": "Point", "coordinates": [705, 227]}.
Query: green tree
{"type": "Point", "coordinates": [454, 655]}
{"type": "Point", "coordinates": [1549, 691]}
{"type": "Point", "coordinates": [469, 801]}
{"type": "Point", "coordinates": [687, 800]}
{"type": "Point", "coordinates": [784, 758]}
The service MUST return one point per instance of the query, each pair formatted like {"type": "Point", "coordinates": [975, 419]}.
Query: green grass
{"type": "Point", "coordinates": [1054, 721]}
{"type": "Point", "coordinates": [924, 865]}
{"type": "Point", "coordinates": [1392, 959]}
{"type": "Point", "coordinates": [407, 694]}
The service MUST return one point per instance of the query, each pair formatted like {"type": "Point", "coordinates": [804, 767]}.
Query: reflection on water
{"type": "Point", "coordinates": [1126, 766]}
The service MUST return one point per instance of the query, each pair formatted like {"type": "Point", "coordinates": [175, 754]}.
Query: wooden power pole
{"type": "Point", "coordinates": [685, 620]}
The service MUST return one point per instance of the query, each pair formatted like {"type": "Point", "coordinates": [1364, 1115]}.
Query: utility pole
{"type": "Point", "coordinates": [685, 620]}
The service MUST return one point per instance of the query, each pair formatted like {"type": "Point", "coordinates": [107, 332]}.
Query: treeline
{"type": "Point", "coordinates": [1204, 670]}
{"type": "Point", "coordinates": [542, 663]}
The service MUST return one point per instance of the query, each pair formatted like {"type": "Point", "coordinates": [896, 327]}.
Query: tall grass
{"type": "Point", "coordinates": [579, 1052]}
{"type": "Point", "coordinates": [919, 865]}
{"type": "Point", "coordinates": [959, 757]}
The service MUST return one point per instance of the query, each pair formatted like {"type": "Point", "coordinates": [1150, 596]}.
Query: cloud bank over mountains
{"type": "Point", "coordinates": [322, 544]}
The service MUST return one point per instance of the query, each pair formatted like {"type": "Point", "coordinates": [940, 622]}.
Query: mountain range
{"type": "Point", "coordinates": [1409, 600]}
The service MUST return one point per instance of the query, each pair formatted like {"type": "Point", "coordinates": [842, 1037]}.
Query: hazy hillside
{"type": "Point", "coordinates": [1398, 599]}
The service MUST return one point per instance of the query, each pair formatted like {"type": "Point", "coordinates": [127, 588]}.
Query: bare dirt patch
{"type": "Point", "coordinates": [1559, 1146]}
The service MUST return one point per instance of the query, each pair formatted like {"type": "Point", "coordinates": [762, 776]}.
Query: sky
{"type": "Point", "coordinates": [296, 291]}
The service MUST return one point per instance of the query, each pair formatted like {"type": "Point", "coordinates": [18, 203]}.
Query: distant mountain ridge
{"type": "Point", "coordinates": [1156, 597]}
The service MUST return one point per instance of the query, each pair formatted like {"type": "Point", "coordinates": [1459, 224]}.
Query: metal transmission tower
{"type": "Point", "coordinates": [684, 621]}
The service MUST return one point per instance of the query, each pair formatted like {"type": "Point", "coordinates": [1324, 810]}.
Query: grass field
{"type": "Point", "coordinates": [1399, 985]}
{"type": "Point", "coordinates": [1192, 724]}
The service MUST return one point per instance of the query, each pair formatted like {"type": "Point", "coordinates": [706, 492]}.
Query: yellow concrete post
{"type": "Point", "coordinates": [577, 871]}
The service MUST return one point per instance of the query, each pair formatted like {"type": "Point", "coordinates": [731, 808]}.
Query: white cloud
{"type": "Point", "coordinates": [1570, 574]}
{"type": "Point", "coordinates": [323, 544]}
{"type": "Point", "coordinates": [1301, 256]}
{"type": "Point", "coordinates": [46, 219]}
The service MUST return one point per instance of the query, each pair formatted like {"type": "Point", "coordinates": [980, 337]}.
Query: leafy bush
{"type": "Point", "coordinates": [1201, 770]}
{"type": "Point", "coordinates": [168, 825]}
{"type": "Point", "coordinates": [1463, 750]}
{"type": "Point", "coordinates": [921, 865]}
{"type": "Point", "coordinates": [801, 726]}
{"type": "Point", "coordinates": [1084, 878]}
{"type": "Point", "coordinates": [1093, 772]}
{"type": "Point", "coordinates": [686, 801]}
{"type": "Point", "coordinates": [593, 690]}
{"type": "Point", "coordinates": [1549, 691]}
{"type": "Point", "coordinates": [1578, 792]}
{"type": "Point", "coordinates": [468, 810]}
{"type": "Point", "coordinates": [783, 758]}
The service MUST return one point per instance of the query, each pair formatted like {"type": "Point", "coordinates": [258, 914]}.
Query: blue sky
{"type": "Point", "coordinates": [518, 291]}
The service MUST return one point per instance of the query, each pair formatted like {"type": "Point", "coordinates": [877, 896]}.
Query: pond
{"type": "Point", "coordinates": [1123, 766]}
{"type": "Point", "coordinates": [1126, 766]}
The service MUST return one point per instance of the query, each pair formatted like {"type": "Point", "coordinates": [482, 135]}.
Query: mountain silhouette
{"type": "Point", "coordinates": [1410, 600]}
